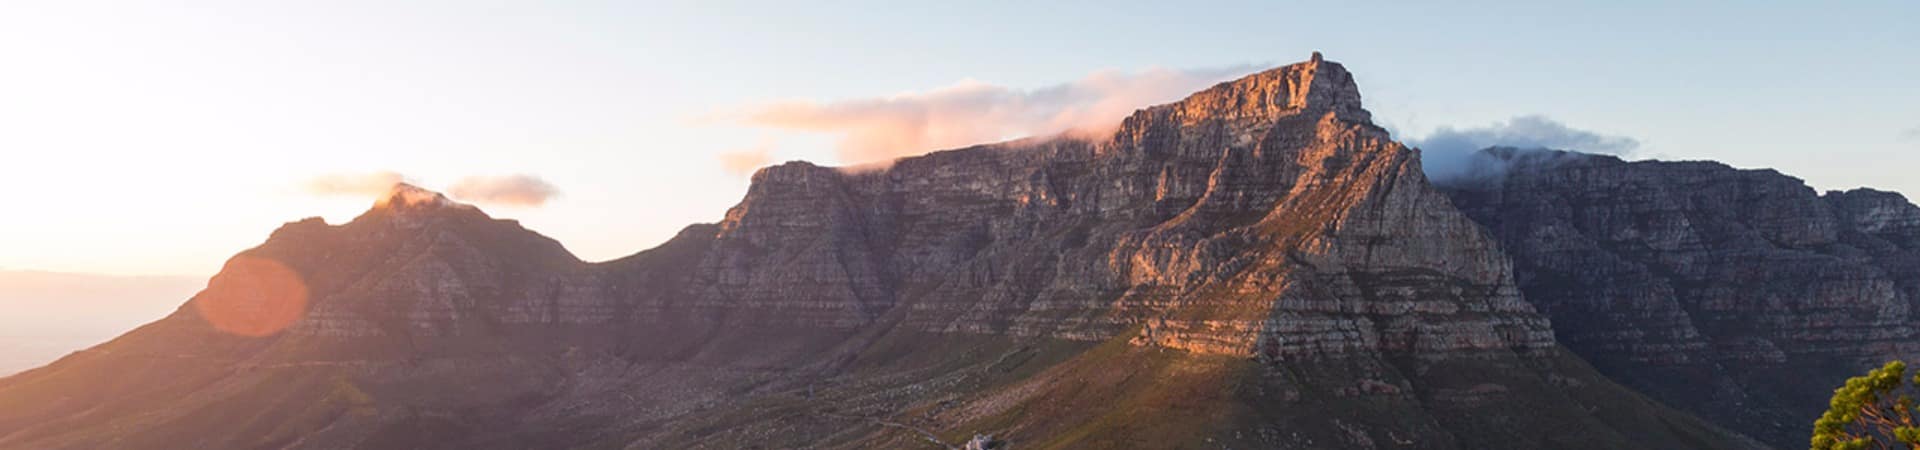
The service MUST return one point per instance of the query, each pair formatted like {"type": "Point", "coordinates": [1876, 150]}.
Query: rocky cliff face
{"type": "Point", "coordinates": [1163, 227]}
{"type": "Point", "coordinates": [1739, 295]}
{"type": "Point", "coordinates": [1254, 266]}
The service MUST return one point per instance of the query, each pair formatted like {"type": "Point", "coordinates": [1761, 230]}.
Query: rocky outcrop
{"type": "Point", "coordinates": [1254, 266]}
{"type": "Point", "coordinates": [1740, 295]}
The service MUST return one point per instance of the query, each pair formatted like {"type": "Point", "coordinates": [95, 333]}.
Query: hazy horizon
{"type": "Point", "coordinates": [51, 314]}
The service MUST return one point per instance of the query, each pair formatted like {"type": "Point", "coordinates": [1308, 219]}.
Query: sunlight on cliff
{"type": "Point", "coordinates": [253, 297]}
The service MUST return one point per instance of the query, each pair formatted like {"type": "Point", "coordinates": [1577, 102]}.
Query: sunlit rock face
{"type": "Point", "coordinates": [1740, 295]}
{"type": "Point", "coordinates": [1265, 212]}
{"type": "Point", "coordinates": [1256, 266]}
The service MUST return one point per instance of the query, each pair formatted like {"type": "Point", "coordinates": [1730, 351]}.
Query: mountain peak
{"type": "Point", "coordinates": [1320, 84]}
{"type": "Point", "coordinates": [1310, 88]}
{"type": "Point", "coordinates": [405, 196]}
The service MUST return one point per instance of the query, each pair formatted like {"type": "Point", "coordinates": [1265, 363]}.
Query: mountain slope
{"type": "Point", "coordinates": [1254, 266]}
{"type": "Point", "coordinates": [1740, 295]}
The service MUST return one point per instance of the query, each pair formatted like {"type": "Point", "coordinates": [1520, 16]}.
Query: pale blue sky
{"type": "Point", "coordinates": [141, 138]}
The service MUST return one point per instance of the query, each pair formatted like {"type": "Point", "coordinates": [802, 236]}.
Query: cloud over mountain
{"type": "Point", "coordinates": [1450, 152]}
{"type": "Point", "coordinates": [878, 129]}
{"type": "Point", "coordinates": [509, 190]}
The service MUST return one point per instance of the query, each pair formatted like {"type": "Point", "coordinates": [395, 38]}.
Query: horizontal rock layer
{"type": "Point", "coordinates": [1743, 296]}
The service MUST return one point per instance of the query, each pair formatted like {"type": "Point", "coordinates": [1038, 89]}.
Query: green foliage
{"type": "Point", "coordinates": [1875, 410]}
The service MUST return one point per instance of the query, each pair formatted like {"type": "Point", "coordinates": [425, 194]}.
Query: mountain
{"type": "Point", "coordinates": [1256, 265]}
{"type": "Point", "coordinates": [1742, 296]}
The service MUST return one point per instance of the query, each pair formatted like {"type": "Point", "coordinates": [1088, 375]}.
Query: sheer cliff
{"type": "Point", "coordinates": [1256, 265]}
{"type": "Point", "coordinates": [1743, 296]}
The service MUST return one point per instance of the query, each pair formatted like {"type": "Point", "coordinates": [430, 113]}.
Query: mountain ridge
{"type": "Point", "coordinates": [1254, 265]}
{"type": "Point", "coordinates": [1677, 276]}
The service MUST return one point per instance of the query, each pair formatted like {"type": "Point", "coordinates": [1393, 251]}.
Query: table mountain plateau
{"type": "Point", "coordinates": [1742, 296]}
{"type": "Point", "coordinates": [1255, 266]}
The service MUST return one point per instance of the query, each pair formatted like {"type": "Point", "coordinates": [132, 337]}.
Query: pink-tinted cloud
{"type": "Point", "coordinates": [367, 184]}
{"type": "Point", "coordinates": [510, 190]}
{"type": "Point", "coordinates": [744, 161]}
{"type": "Point", "coordinates": [973, 112]}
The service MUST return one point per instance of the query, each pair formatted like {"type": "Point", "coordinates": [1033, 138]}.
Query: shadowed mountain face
{"type": "Point", "coordinates": [1742, 296]}
{"type": "Point", "coordinates": [1254, 266]}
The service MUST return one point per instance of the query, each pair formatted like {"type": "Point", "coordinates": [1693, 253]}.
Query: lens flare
{"type": "Point", "coordinates": [253, 296]}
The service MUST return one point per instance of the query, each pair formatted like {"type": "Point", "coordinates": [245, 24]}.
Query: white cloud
{"type": "Point", "coordinates": [1449, 152]}
{"type": "Point", "coordinates": [511, 190]}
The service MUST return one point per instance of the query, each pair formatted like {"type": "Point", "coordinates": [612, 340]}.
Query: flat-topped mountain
{"type": "Point", "coordinates": [1255, 266]}
{"type": "Point", "coordinates": [1742, 296]}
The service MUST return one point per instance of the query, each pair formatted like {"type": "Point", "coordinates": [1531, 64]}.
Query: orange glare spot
{"type": "Point", "coordinates": [253, 297]}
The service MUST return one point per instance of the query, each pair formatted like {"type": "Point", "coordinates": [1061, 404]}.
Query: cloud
{"type": "Point", "coordinates": [1912, 134]}
{"type": "Point", "coordinates": [1450, 153]}
{"type": "Point", "coordinates": [511, 190]}
{"type": "Point", "coordinates": [744, 161]}
{"type": "Point", "coordinates": [973, 112]}
{"type": "Point", "coordinates": [367, 184]}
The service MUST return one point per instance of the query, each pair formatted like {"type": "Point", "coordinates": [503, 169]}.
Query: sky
{"type": "Point", "coordinates": [52, 314]}
{"type": "Point", "coordinates": [159, 138]}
